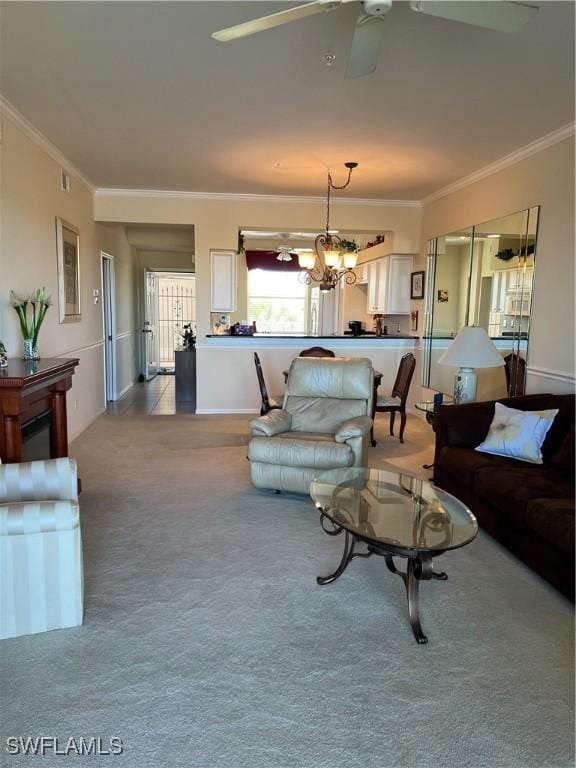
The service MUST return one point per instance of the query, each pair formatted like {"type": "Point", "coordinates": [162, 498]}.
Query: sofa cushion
{"type": "Point", "coordinates": [553, 520]}
{"type": "Point", "coordinates": [462, 463]}
{"type": "Point", "coordinates": [290, 452]}
{"type": "Point", "coordinates": [561, 425]}
{"type": "Point", "coordinates": [564, 458]}
{"type": "Point", "coordinates": [511, 488]}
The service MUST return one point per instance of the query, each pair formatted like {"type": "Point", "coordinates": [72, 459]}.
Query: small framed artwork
{"type": "Point", "coordinates": [443, 295]}
{"type": "Point", "coordinates": [417, 285]}
{"type": "Point", "coordinates": [414, 320]}
{"type": "Point", "coordinates": [68, 251]}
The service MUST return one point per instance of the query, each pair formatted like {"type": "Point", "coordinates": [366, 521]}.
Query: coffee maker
{"type": "Point", "coordinates": [355, 327]}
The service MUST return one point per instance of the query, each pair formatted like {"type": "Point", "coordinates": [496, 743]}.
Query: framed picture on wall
{"type": "Point", "coordinates": [417, 285]}
{"type": "Point", "coordinates": [68, 252]}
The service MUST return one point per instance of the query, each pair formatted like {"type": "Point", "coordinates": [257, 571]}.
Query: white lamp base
{"type": "Point", "coordinates": [465, 383]}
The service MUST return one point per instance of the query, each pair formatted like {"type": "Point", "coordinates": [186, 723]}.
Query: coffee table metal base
{"type": "Point", "coordinates": [419, 568]}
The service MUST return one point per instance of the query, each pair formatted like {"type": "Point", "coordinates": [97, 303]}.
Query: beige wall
{"type": "Point", "coordinates": [216, 224]}
{"type": "Point", "coordinates": [31, 200]}
{"type": "Point", "coordinates": [545, 179]}
{"type": "Point", "coordinates": [112, 240]}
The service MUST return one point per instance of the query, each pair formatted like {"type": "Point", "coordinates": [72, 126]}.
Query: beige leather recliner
{"type": "Point", "coordinates": [324, 423]}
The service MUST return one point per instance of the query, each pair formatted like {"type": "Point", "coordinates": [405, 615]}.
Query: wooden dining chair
{"type": "Point", "coordinates": [317, 352]}
{"type": "Point", "coordinates": [515, 370]}
{"type": "Point", "coordinates": [396, 403]}
{"type": "Point", "coordinates": [268, 403]}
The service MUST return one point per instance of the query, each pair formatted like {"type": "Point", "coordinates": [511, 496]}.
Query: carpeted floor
{"type": "Point", "coordinates": [208, 644]}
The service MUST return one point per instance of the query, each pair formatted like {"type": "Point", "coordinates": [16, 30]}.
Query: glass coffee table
{"type": "Point", "coordinates": [393, 515]}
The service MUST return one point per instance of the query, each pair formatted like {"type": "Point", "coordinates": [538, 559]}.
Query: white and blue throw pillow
{"type": "Point", "coordinates": [518, 434]}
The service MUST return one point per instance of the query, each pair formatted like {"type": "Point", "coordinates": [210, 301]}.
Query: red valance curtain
{"type": "Point", "coordinates": [267, 260]}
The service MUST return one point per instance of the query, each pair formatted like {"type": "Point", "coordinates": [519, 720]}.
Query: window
{"type": "Point", "coordinates": [277, 301]}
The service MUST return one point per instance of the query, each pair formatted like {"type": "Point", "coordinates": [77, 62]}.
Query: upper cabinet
{"type": "Point", "coordinates": [389, 285]}
{"type": "Point", "coordinates": [222, 281]}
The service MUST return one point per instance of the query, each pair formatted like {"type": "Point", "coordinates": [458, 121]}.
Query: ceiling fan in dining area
{"type": "Point", "coordinates": [499, 15]}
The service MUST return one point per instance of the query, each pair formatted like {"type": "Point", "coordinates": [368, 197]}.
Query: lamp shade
{"type": "Point", "coordinates": [306, 260]}
{"type": "Point", "coordinates": [332, 257]}
{"type": "Point", "coordinates": [350, 260]}
{"type": "Point", "coordinates": [472, 348]}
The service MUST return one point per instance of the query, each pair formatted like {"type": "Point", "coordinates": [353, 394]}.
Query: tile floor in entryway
{"type": "Point", "coordinates": [156, 397]}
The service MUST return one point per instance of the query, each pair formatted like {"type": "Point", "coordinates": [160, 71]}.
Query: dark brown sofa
{"type": "Point", "coordinates": [529, 508]}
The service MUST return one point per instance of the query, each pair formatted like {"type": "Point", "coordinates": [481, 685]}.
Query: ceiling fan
{"type": "Point", "coordinates": [500, 15]}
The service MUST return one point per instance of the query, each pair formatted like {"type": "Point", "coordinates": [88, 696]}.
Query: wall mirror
{"type": "Point", "coordinates": [482, 275]}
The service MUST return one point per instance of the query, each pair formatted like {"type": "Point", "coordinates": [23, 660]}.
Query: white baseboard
{"type": "Point", "coordinates": [123, 391]}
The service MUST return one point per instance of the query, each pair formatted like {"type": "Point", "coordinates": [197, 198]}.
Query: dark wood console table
{"type": "Point", "coordinates": [29, 390]}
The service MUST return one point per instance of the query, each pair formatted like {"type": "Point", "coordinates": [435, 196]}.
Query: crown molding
{"type": "Point", "coordinates": [504, 162]}
{"type": "Point", "coordinates": [9, 110]}
{"type": "Point", "coordinates": [252, 198]}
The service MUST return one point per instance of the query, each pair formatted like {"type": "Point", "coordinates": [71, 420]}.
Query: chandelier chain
{"type": "Point", "coordinates": [331, 186]}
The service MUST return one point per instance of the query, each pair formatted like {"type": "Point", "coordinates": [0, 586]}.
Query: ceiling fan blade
{"type": "Point", "coordinates": [366, 43]}
{"type": "Point", "coordinates": [501, 15]}
{"type": "Point", "coordinates": [275, 20]}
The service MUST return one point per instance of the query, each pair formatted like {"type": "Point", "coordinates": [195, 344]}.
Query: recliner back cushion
{"type": "Point", "coordinates": [342, 378]}
{"type": "Point", "coordinates": [322, 414]}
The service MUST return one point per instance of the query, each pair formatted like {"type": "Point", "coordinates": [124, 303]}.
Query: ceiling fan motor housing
{"type": "Point", "coordinates": [377, 7]}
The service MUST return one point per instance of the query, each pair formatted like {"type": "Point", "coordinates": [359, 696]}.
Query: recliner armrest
{"type": "Point", "coordinates": [357, 427]}
{"type": "Point", "coordinates": [272, 423]}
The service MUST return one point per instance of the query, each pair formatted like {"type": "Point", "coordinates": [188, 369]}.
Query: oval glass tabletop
{"type": "Point", "coordinates": [393, 509]}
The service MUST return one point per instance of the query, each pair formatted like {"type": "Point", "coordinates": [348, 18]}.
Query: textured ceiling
{"type": "Point", "coordinates": [137, 95]}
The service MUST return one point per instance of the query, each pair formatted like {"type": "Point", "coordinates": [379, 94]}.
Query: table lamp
{"type": "Point", "coordinates": [472, 348]}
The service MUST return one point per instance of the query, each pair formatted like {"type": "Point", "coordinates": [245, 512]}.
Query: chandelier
{"type": "Point", "coordinates": [329, 264]}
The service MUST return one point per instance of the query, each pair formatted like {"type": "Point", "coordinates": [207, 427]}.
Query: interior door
{"type": "Point", "coordinates": [150, 329]}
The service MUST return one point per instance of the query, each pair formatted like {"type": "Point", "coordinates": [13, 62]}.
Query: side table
{"type": "Point", "coordinates": [428, 407]}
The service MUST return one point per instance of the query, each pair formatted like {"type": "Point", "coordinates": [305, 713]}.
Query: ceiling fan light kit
{"type": "Point", "coordinates": [498, 15]}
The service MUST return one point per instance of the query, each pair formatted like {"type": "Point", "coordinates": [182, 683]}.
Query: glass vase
{"type": "Point", "coordinates": [30, 350]}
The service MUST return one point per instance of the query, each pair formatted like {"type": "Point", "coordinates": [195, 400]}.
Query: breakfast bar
{"type": "Point", "coordinates": [226, 377]}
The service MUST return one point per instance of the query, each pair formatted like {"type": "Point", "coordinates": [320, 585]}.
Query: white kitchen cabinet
{"type": "Point", "coordinates": [389, 285]}
{"type": "Point", "coordinates": [222, 281]}
{"type": "Point", "coordinates": [398, 298]}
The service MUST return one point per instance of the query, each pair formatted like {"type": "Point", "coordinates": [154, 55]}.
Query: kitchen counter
{"type": "Point", "coordinates": [347, 337]}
